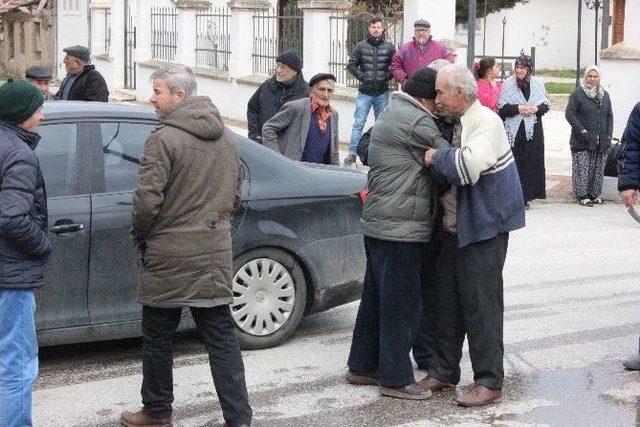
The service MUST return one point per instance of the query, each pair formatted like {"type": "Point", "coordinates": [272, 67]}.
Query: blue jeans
{"type": "Point", "coordinates": [18, 356]}
{"type": "Point", "coordinates": [363, 105]}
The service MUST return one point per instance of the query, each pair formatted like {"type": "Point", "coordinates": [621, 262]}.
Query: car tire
{"type": "Point", "coordinates": [270, 296]}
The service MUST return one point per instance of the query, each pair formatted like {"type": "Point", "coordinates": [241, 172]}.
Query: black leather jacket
{"type": "Point", "coordinates": [369, 63]}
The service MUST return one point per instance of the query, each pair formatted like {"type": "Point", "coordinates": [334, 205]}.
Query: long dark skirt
{"type": "Point", "coordinates": [529, 157]}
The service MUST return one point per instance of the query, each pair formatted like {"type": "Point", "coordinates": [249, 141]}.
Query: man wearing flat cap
{"type": "Point", "coordinates": [307, 129]}
{"type": "Point", "coordinates": [40, 78]}
{"type": "Point", "coordinates": [24, 247]}
{"type": "Point", "coordinates": [418, 53]}
{"type": "Point", "coordinates": [83, 82]}
{"type": "Point", "coordinates": [397, 223]}
{"type": "Point", "coordinates": [287, 84]}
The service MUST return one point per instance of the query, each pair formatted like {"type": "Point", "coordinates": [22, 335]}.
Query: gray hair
{"type": "Point", "coordinates": [461, 78]}
{"type": "Point", "coordinates": [178, 78]}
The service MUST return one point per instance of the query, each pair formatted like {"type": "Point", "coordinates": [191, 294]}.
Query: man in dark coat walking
{"type": "Point", "coordinates": [629, 182]}
{"type": "Point", "coordinates": [24, 247]}
{"type": "Point", "coordinates": [83, 82]}
{"type": "Point", "coordinates": [287, 84]}
{"type": "Point", "coordinates": [369, 63]}
{"type": "Point", "coordinates": [187, 190]}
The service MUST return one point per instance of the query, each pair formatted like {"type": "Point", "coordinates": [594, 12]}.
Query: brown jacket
{"type": "Point", "coordinates": [188, 187]}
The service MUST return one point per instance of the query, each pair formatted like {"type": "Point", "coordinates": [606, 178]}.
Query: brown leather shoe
{"type": "Point", "coordinates": [361, 379]}
{"type": "Point", "coordinates": [479, 395]}
{"type": "Point", "coordinates": [143, 419]}
{"type": "Point", "coordinates": [433, 384]}
{"type": "Point", "coordinates": [411, 391]}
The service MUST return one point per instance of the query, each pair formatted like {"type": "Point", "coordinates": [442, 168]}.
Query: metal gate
{"type": "Point", "coordinates": [129, 48]}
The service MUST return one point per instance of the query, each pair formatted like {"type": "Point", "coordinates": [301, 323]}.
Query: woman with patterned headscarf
{"type": "Point", "coordinates": [521, 104]}
{"type": "Point", "coordinates": [591, 118]}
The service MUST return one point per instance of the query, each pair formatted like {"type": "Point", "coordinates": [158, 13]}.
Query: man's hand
{"type": "Point", "coordinates": [629, 197]}
{"type": "Point", "coordinates": [430, 156]}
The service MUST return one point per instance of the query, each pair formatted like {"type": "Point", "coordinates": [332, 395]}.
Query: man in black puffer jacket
{"type": "Point", "coordinates": [286, 85]}
{"type": "Point", "coordinates": [24, 247]}
{"type": "Point", "coordinates": [369, 63]}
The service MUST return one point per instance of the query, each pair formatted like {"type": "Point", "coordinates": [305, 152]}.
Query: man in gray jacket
{"type": "Point", "coordinates": [307, 129]}
{"type": "Point", "coordinates": [397, 222]}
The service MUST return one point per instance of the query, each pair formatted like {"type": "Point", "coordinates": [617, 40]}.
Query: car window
{"type": "Point", "coordinates": [57, 156]}
{"type": "Point", "coordinates": [122, 146]}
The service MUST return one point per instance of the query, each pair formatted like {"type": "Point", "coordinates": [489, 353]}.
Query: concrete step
{"type": "Point", "coordinates": [121, 95]}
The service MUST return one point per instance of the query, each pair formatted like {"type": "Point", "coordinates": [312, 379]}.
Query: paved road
{"type": "Point", "coordinates": [572, 314]}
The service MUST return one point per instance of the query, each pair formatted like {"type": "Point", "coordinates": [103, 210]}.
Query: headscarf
{"type": "Point", "coordinates": [512, 94]}
{"type": "Point", "coordinates": [594, 92]}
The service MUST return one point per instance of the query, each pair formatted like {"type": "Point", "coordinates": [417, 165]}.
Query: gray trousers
{"type": "Point", "coordinates": [469, 301]}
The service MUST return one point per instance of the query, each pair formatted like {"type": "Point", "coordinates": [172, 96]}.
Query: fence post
{"type": "Point", "coordinates": [317, 47]}
{"type": "Point", "coordinates": [241, 34]}
{"type": "Point", "coordinates": [143, 31]}
{"type": "Point", "coordinates": [186, 30]}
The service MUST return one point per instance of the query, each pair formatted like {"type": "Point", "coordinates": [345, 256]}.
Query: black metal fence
{"type": "Point", "coordinates": [129, 48]}
{"type": "Point", "coordinates": [213, 43]}
{"type": "Point", "coordinates": [345, 31]}
{"type": "Point", "coordinates": [107, 29]}
{"type": "Point", "coordinates": [506, 62]}
{"type": "Point", "coordinates": [164, 34]}
{"type": "Point", "coordinates": [273, 33]}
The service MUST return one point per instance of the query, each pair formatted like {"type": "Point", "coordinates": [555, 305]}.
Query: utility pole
{"type": "Point", "coordinates": [471, 35]}
{"type": "Point", "coordinates": [579, 42]}
{"type": "Point", "coordinates": [596, 7]}
{"type": "Point", "coordinates": [606, 21]}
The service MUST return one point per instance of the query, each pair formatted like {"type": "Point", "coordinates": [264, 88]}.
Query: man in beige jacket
{"type": "Point", "coordinates": [188, 187]}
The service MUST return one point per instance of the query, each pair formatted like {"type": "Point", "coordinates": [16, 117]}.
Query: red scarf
{"type": "Point", "coordinates": [322, 113]}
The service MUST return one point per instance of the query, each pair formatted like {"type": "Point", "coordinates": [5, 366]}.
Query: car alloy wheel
{"type": "Point", "coordinates": [269, 297]}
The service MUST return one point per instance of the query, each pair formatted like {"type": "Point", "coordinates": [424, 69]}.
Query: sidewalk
{"type": "Point", "coordinates": [557, 155]}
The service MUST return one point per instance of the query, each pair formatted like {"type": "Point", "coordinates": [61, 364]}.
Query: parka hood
{"type": "Point", "coordinates": [196, 115]}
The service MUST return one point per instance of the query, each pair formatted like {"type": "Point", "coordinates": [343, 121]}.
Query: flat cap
{"type": "Point", "coordinates": [320, 77]}
{"type": "Point", "coordinates": [421, 23]}
{"type": "Point", "coordinates": [77, 51]}
{"type": "Point", "coordinates": [36, 72]}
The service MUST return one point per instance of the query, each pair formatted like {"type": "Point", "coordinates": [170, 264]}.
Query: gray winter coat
{"type": "Point", "coordinates": [187, 189]}
{"type": "Point", "coordinates": [287, 131]}
{"type": "Point", "coordinates": [24, 243]}
{"type": "Point", "coordinates": [399, 205]}
{"type": "Point", "coordinates": [583, 113]}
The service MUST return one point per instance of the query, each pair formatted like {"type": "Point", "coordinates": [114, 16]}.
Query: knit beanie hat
{"type": "Point", "coordinates": [422, 83]}
{"type": "Point", "coordinates": [291, 59]}
{"type": "Point", "coordinates": [18, 101]}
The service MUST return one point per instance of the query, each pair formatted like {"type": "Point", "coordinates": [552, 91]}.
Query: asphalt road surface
{"type": "Point", "coordinates": [572, 314]}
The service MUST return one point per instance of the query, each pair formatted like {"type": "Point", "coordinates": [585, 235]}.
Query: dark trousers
{"type": "Point", "coordinates": [470, 301]}
{"type": "Point", "coordinates": [423, 351]}
{"type": "Point", "coordinates": [389, 312]}
{"type": "Point", "coordinates": [215, 326]}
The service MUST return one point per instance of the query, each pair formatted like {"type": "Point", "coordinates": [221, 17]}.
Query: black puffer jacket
{"type": "Point", "coordinates": [369, 63]}
{"type": "Point", "coordinates": [269, 99]}
{"type": "Point", "coordinates": [24, 244]}
{"type": "Point", "coordinates": [584, 113]}
{"type": "Point", "coordinates": [89, 86]}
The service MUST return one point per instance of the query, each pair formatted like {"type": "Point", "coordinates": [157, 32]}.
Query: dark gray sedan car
{"type": "Point", "coordinates": [296, 238]}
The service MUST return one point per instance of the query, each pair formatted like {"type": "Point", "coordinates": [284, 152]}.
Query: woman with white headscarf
{"type": "Point", "coordinates": [591, 118]}
{"type": "Point", "coordinates": [521, 104]}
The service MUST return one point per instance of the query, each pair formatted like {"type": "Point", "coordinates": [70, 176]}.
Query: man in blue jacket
{"type": "Point", "coordinates": [473, 243]}
{"type": "Point", "coordinates": [24, 247]}
{"type": "Point", "coordinates": [629, 182]}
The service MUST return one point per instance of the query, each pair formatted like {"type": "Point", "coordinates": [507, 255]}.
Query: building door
{"type": "Point", "coordinates": [618, 21]}
{"type": "Point", "coordinates": [129, 48]}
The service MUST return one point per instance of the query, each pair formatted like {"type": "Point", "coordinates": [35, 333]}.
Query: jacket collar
{"type": "Point", "coordinates": [30, 138]}
{"type": "Point", "coordinates": [375, 41]}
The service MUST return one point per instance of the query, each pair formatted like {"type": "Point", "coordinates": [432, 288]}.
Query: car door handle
{"type": "Point", "coordinates": [67, 228]}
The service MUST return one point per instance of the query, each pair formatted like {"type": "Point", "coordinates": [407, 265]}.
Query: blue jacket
{"type": "Point", "coordinates": [24, 243]}
{"type": "Point", "coordinates": [629, 176]}
{"type": "Point", "coordinates": [489, 195]}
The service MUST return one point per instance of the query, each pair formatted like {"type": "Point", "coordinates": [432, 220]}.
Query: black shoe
{"type": "Point", "coordinates": [632, 364]}
{"type": "Point", "coordinates": [526, 206]}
